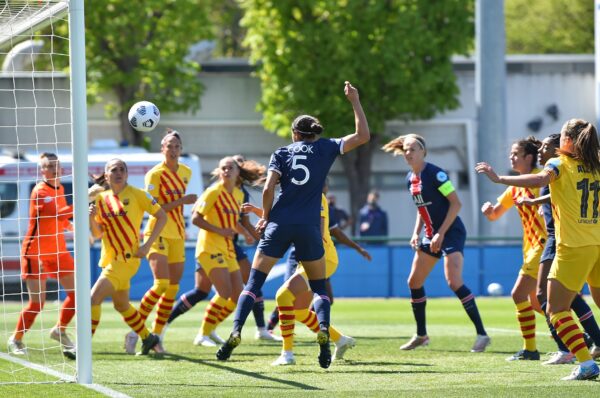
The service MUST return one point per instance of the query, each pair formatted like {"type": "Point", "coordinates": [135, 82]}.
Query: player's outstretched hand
{"type": "Point", "coordinates": [190, 198]}
{"type": "Point", "coordinates": [485, 168]}
{"type": "Point", "coordinates": [351, 92]}
{"type": "Point", "coordinates": [261, 225]}
{"type": "Point", "coordinates": [364, 253]}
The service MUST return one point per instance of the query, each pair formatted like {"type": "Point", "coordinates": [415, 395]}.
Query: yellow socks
{"type": "Point", "coordinates": [526, 318]}
{"type": "Point", "coordinates": [571, 335]}
{"type": "Point", "coordinates": [212, 314]}
{"type": "Point", "coordinates": [96, 312]}
{"type": "Point", "coordinates": [285, 304]}
{"type": "Point", "coordinates": [152, 296]}
{"type": "Point", "coordinates": [165, 306]}
{"type": "Point", "coordinates": [132, 317]}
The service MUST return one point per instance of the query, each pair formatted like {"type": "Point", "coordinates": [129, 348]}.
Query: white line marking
{"type": "Point", "coordinates": [63, 377]}
{"type": "Point", "coordinates": [514, 331]}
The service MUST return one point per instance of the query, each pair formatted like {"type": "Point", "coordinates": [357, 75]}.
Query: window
{"type": "Point", "coordinates": [8, 199]}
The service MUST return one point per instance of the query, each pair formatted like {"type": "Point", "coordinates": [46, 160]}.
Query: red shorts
{"type": "Point", "coordinates": [44, 267]}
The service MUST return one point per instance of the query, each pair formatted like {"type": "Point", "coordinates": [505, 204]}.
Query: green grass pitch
{"type": "Point", "coordinates": [375, 367]}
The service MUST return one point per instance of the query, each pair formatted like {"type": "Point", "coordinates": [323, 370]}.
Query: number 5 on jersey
{"type": "Point", "coordinates": [302, 167]}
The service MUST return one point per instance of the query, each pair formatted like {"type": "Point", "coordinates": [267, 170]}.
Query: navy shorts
{"type": "Point", "coordinates": [240, 252]}
{"type": "Point", "coordinates": [550, 249]}
{"type": "Point", "coordinates": [454, 241]}
{"type": "Point", "coordinates": [306, 238]}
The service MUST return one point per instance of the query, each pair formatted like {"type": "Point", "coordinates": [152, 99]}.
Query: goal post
{"type": "Point", "coordinates": [80, 179]}
{"type": "Point", "coordinates": [42, 109]}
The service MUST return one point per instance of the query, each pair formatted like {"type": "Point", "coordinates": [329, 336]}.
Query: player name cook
{"type": "Point", "coordinates": [302, 149]}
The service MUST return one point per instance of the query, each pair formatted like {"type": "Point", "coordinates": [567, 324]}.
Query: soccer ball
{"type": "Point", "coordinates": [144, 116]}
{"type": "Point", "coordinates": [495, 289]}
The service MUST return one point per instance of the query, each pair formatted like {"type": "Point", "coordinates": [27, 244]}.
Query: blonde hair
{"type": "Point", "coordinates": [250, 170]}
{"type": "Point", "coordinates": [396, 146]}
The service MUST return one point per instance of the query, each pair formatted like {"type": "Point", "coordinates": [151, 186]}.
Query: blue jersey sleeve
{"type": "Point", "coordinates": [440, 180]}
{"type": "Point", "coordinates": [276, 163]}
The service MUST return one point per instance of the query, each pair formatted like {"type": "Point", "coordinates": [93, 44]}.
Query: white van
{"type": "Point", "coordinates": [19, 174]}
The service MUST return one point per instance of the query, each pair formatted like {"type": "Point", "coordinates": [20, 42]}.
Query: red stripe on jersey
{"type": "Point", "coordinates": [167, 182]}
{"type": "Point", "coordinates": [180, 187]}
{"type": "Point", "coordinates": [415, 189]}
{"type": "Point", "coordinates": [116, 220]}
{"type": "Point", "coordinates": [287, 308]}
{"type": "Point", "coordinates": [175, 176]}
{"type": "Point", "coordinates": [112, 234]}
{"type": "Point", "coordinates": [223, 219]}
{"type": "Point", "coordinates": [125, 217]}
{"type": "Point", "coordinates": [235, 210]}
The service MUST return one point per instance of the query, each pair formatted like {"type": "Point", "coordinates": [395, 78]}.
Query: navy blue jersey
{"type": "Point", "coordinates": [246, 195]}
{"type": "Point", "coordinates": [547, 210]}
{"type": "Point", "coordinates": [429, 190]}
{"type": "Point", "coordinates": [303, 167]}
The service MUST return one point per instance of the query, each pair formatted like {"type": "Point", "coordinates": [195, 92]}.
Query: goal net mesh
{"type": "Point", "coordinates": [35, 117]}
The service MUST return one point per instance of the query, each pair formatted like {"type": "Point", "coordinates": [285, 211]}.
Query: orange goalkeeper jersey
{"type": "Point", "coordinates": [48, 218]}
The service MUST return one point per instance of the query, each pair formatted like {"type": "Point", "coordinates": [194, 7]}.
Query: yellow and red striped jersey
{"type": "Point", "coordinates": [121, 218]}
{"type": "Point", "coordinates": [166, 186]}
{"type": "Point", "coordinates": [222, 209]}
{"type": "Point", "coordinates": [534, 229]}
{"type": "Point", "coordinates": [330, 250]}
{"type": "Point", "coordinates": [574, 192]}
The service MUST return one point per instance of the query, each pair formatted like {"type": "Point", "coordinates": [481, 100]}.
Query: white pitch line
{"type": "Point", "coordinates": [105, 390]}
{"type": "Point", "coordinates": [39, 368]}
{"type": "Point", "coordinates": [514, 331]}
{"type": "Point", "coordinates": [63, 377]}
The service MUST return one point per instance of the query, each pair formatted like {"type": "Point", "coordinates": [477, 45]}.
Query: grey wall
{"type": "Point", "coordinates": [228, 123]}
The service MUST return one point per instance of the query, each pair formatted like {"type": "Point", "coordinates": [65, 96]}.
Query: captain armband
{"type": "Point", "coordinates": [446, 188]}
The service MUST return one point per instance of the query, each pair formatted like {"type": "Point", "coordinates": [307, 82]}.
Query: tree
{"type": "Point", "coordinates": [549, 26]}
{"type": "Point", "coordinates": [397, 53]}
{"type": "Point", "coordinates": [136, 49]}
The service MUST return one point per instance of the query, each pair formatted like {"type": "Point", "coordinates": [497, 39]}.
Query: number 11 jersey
{"type": "Point", "coordinates": [574, 192]}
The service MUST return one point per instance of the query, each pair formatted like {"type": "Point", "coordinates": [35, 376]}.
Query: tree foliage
{"type": "Point", "coordinates": [136, 49]}
{"type": "Point", "coordinates": [549, 26]}
{"type": "Point", "coordinates": [396, 52]}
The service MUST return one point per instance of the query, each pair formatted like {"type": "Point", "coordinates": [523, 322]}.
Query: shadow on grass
{"type": "Point", "coordinates": [255, 375]}
{"type": "Point", "coordinates": [363, 363]}
{"type": "Point", "coordinates": [192, 385]}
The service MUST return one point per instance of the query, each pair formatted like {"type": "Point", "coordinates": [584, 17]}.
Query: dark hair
{"type": "Point", "coordinates": [48, 155]}
{"type": "Point", "coordinates": [170, 132]}
{"type": "Point", "coordinates": [530, 146]}
{"type": "Point", "coordinates": [307, 125]}
{"type": "Point", "coordinates": [554, 139]}
{"type": "Point", "coordinates": [585, 143]}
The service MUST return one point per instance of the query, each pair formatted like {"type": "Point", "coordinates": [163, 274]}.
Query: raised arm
{"type": "Point", "coordinates": [362, 134]}
{"type": "Point", "coordinates": [344, 239]}
{"type": "Point", "coordinates": [538, 180]}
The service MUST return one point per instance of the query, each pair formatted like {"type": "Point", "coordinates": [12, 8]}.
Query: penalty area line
{"type": "Point", "coordinates": [514, 331]}
{"type": "Point", "coordinates": [62, 376]}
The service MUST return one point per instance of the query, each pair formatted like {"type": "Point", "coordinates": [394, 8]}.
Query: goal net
{"type": "Point", "coordinates": [37, 323]}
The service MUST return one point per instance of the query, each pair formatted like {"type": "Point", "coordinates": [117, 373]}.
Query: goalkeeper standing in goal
{"type": "Point", "coordinates": [116, 217]}
{"type": "Point", "coordinates": [167, 183]}
{"type": "Point", "coordinates": [44, 255]}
